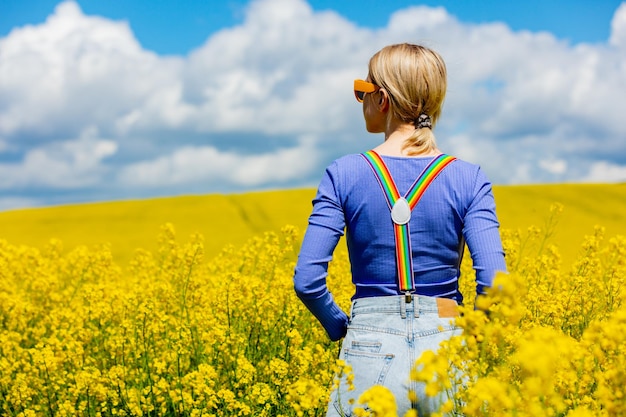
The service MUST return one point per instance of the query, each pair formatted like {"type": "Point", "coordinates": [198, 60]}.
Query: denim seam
{"type": "Point", "coordinates": [391, 311]}
{"type": "Point", "coordinates": [431, 332]}
{"type": "Point", "coordinates": [358, 327]}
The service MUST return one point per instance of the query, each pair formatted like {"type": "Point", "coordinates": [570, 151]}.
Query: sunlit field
{"type": "Point", "coordinates": [128, 225]}
{"type": "Point", "coordinates": [233, 219]}
{"type": "Point", "coordinates": [185, 307]}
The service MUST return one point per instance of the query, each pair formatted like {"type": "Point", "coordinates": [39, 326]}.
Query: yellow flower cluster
{"type": "Point", "coordinates": [175, 334]}
{"type": "Point", "coordinates": [170, 335]}
{"type": "Point", "coordinates": [379, 402]}
{"type": "Point", "coordinates": [546, 341]}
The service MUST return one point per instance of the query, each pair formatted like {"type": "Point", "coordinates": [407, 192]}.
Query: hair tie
{"type": "Point", "coordinates": [423, 121]}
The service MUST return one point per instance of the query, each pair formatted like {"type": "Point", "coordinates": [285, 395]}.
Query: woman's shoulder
{"type": "Point", "coordinates": [468, 175]}
{"type": "Point", "coordinates": [464, 165]}
{"type": "Point", "coordinates": [349, 158]}
{"type": "Point", "coordinates": [355, 161]}
{"type": "Point", "coordinates": [347, 162]}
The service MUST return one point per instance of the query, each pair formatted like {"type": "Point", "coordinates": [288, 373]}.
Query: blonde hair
{"type": "Point", "coordinates": [415, 78]}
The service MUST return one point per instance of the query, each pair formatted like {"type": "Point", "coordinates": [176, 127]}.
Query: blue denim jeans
{"type": "Point", "coordinates": [385, 337]}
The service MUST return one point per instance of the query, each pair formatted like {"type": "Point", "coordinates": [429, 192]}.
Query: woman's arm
{"type": "Point", "coordinates": [481, 232]}
{"type": "Point", "coordinates": [326, 226]}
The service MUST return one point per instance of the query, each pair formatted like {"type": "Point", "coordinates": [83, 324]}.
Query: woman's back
{"type": "Point", "coordinates": [459, 197]}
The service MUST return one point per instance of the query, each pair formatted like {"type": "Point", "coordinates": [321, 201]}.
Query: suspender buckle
{"type": "Point", "coordinates": [408, 297]}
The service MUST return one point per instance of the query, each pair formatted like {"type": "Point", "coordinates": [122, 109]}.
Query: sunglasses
{"type": "Point", "coordinates": [361, 87]}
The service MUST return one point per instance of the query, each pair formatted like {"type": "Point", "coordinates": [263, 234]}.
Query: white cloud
{"type": "Point", "coordinates": [553, 166]}
{"type": "Point", "coordinates": [82, 104]}
{"type": "Point", "coordinates": [618, 27]}
{"type": "Point", "coordinates": [67, 164]}
{"type": "Point", "coordinates": [76, 70]}
{"type": "Point", "coordinates": [286, 70]}
{"type": "Point", "coordinates": [205, 164]}
{"type": "Point", "coordinates": [603, 172]}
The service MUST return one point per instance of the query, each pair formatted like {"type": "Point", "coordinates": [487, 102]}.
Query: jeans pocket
{"type": "Point", "coordinates": [369, 368]}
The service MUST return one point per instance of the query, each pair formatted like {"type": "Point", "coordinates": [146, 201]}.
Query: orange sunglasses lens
{"type": "Point", "coordinates": [361, 87]}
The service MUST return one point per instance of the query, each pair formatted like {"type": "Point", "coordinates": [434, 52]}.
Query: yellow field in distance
{"type": "Point", "coordinates": [234, 218]}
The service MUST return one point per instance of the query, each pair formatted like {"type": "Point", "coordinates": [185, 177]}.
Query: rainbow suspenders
{"type": "Point", "coordinates": [401, 207]}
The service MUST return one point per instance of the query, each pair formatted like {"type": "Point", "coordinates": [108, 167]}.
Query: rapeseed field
{"type": "Point", "coordinates": [233, 218]}
{"type": "Point", "coordinates": [177, 329]}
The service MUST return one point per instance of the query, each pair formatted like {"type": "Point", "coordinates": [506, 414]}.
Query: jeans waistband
{"type": "Point", "coordinates": [420, 304]}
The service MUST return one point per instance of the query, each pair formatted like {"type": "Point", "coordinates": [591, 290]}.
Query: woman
{"type": "Point", "coordinates": [407, 211]}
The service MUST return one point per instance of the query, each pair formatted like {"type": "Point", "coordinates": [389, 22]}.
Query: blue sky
{"type": "Point", "coordinates": [177, 27]}
{"type": "Point", "coordinates": [103, 100]}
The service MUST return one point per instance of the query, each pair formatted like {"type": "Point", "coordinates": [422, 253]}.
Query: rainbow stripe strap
{"type": "Point", "coordinates": [404, 258]}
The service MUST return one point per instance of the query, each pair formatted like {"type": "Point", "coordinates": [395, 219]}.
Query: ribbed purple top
{"type": "Point", "coordinates": [458, 204]}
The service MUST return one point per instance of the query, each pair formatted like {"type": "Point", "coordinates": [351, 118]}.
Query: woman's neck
{"type": "Point", "coordinates": [395, 140]}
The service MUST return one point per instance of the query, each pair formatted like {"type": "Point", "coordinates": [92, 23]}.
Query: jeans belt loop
{"type": "Point", "coordinates": [416, 306]}
{"type": "Point", "coordinates": [402, 309]}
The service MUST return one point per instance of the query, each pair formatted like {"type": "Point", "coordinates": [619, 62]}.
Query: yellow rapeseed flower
{"type": "Point", "coordinates": [176, 333]}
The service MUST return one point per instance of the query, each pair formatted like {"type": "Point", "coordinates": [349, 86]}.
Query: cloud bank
{"type": "Point", "coordinates": [87, 114]}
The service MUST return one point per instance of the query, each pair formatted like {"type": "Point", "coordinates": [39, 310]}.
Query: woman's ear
{"type": "Point", "coordinates": [383, 100]}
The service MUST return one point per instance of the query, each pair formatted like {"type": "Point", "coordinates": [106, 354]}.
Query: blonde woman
{"type": "Point", "coordinates": [407, 211]}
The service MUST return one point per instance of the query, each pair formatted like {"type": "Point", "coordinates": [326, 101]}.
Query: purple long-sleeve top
{"type": "Point", "coordinates": [458, 206]}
